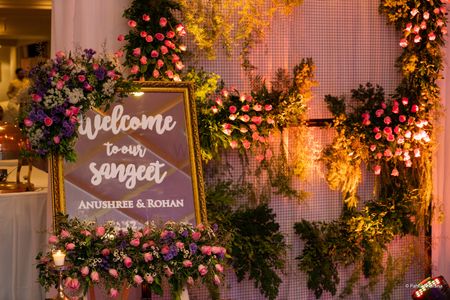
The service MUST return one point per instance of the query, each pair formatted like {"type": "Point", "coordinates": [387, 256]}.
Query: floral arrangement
{"type": "Point", "coordinates": [63, 89]}
{"type": "Point", "coordinates": [102, 255]}
{"type": "Point", "coordinates": [153, 49]}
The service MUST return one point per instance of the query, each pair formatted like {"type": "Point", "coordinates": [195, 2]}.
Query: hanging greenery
{"type": "Point", "coordinates": [256, 246]}
{"type": "Point", "coordinates": [212, 23]}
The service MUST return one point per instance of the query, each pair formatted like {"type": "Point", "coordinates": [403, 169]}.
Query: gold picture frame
{"type": "Point", "coordinates": [189, 132]}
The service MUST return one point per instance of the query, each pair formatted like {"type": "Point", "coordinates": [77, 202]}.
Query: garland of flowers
{"type": "Point", "coordinates": [394, 138]}
{"type": "Point", "coordinates": [102, 255]}
{"type": "Point", "coordinates": [153, 49]}
{"type": "Point", "coordinates": [62, 90]}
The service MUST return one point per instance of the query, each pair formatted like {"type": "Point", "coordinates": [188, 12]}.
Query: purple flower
{"type": "Point", "coordinates": [100, 73]}
{"type": "Point", "coordinates": [89, 53]}
{"type": "Point", "coordinates": [185, 234]}
{"type": "Point", "coordinates": [193, 248]}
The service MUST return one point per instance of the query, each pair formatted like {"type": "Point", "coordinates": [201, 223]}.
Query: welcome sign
{"type": "Point", "coordinates": [139, 161]}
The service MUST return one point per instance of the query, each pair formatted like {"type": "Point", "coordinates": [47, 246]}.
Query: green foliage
{"type": "Point", "coordinates": [212, 25]}
{"type": "Point", "coordinates": [256, 246]}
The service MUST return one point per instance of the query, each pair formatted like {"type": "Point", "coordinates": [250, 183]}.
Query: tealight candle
{"type": "Point", "coordinates": [58, 258]}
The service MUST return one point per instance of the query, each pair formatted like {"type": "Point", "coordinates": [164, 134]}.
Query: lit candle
{"type": "Point", "coordinates": [58, 258]}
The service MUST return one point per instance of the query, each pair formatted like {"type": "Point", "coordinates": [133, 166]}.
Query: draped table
{"type": "Point", "coordinates": [23, 233]}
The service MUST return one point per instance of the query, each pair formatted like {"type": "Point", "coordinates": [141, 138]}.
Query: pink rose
{"type": "Point", "coordinates": [132, 23]}
{"type": "Point", "coordinates": [148, 278]}
{"type": "Point", "coordinates": [165, 249]}
{"type": "Point", "coordinates": [396, 129]}
{"type": "Point", "coordinates": [85, 232]}
{"type": "Point", "coordinates": [402, 118]}
{"type": "Point", "coordinates": [394, 172]}
{"type": "Point", "coordinates": [100, 231]}
{"type": "Point", "coordinates": [257, 107]}
{"type": "Point", "coordinates": [234, 144]}
{"type": "Point", "coordinates": [70, 246]}
{"type": "Point", "coordinates": [120, 37]}
{"type": "Point", "coordinates": [27, 122]}
{"type": "Point", "coordinates": [246, 144]}
{"type": "Point", "coordinates": [244, 118]}
{"type": "Point", "coordinates": [387, 120]}
{"type": "Point", "coordinates": [113, 273]}
{"type": "Point", "coordinates": [36, 98]}
{"type": "Point", "coordinates": [408, 27]}
{"type": "Point", "coordinates": [162, 22]}
{"type": "Point", "coordinates": [84, 271]}
{"type": "Point", "coordinates": [417, 39]}
{"type": "Point", "coordinates": [255, 136]}
{"type": "Point", "coordinates": [398, 152]}
{"type": "Point", "coordinates": [377, 169]}
{"type": "Point", "coordinates": [170, 34]}
{"type": "Point", "coordinates": [202, 270]}
{"type": "Point", "coordinates": [154, 54]}
{"type": "Point", "coordinates": [245, 108]}
{"type": "Point", "coordinates": [372, 147]}
{"type": "Point", "coordinates": [417, 152]}
{"type": "Point", "coordinates": [72, 283]}
{"type": "Point", "coordinates": [414, 12]}
{"type": "Point", "coordinates": [53, 239]}
{"type": "Point", "coordinates": [268, 107]}
{"type": "Point", "coordinates": [134, 242]}
{"type": "Point", "coordinates": [148, 257]}
{"type": "Point", "coordinates": [423, 25]}
{"type": "Point", "coordinates": [149, 39]}
{"type": "Point", "coordinates": [164, 50]}
{"type": "Point", "coordinates": [60, 54]}
{"type": "Point", "coordinates": [388, 153]}
{"type": "Point", "coordinates": [376, 130]}
{"type": "Point", "coordinates": [395, 109]}
{"type": "Point", "coordinates": [137, 51]}
{"type": "Point", "coordinates": [270, 121]}
{"type": "Point", "coordinates": [134, 69]}
{"type": "Point", "coordinates": [196, 235]}
{"type": "Point", "coordinates": [106, 252]}
{"type": "Point", "coordinates": [190, 280]}
{"type": "Point", "coordinates": [219, 268]}
{"type": "Point", "coordinates": [81, 78]}
{"type": "Point", "coordinates": [378, 136]}
{"type": "Point", "coordinates": [159, 36]}
{"type": "Point", "coordinates": [408, 163]}
{"type": "Point", "coordinates": [444, 30]}
{"type": "Point", "coordinates": [431, 36]}
{"type": "Point", "coordinates": [414, 108]}
{"type": "Point", "coordinates": [439, 23]}
{"type": "Point", "coordinates": [145, 17]}
{"type": "Point", "coordinates": [408, 134]}
{"type": "Point", "coordinates": [118, 53]}
{"type": "Point", "coordinates": [379, 155]}
{"type": "Point", "coordinates": [64, 234]}
{"type": "Point", "coordinates": [159, 63]}
{"type": "Point", "coordinates": [232, 109]}
{"type": "Point", "coordinates": [127, 262]}
{"type": "Point", "coordinates": [216, 279]}
{"type": "Point", "coordinates": [187, 263]}
{"type": "Point", "coordinates": [206, 250]}
{"type": "Point", "coordinates": [168, 272]}
{"type": "Point", "coordinates": [60, 84]}
{"type": "Point", "coordinates": [180, 30]}
{"type": "Point", "coordinates": [214, 109]}
{"type": "Point", "coordinates": [400, 140]}
{"type": "Point", "coordinates": [137, 279]}
{"type": "Point", "coordinates": [379, 112]}
{"type": "Point", "coordinates": [179, 245]}
{"type": "Point", "coordinates": [155, 74]}
{"type": "Point", "coordinates": [243, 130]}
{"type": "Point", "coordinates": [94, 276]}
{"type": "Point", "coordinates": [169, 74]}
{"type": "Point", "coordinates": [143, 60]}
{"type": "Point", "coordinates": [113, 292]}
{"type": "Point", "coordinates": [416, 29]}
{"type": "Point", "coordinates": [257, 120]}
{"type": "Point", "coordinates": [48, 121]}
{"type": "Point", "coordinates": [390, 138]}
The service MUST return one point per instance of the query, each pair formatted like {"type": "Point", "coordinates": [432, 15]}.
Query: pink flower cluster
{"type": "Point", "coordinates": [244, 122]}
{"type": "Point", "coordinates": [179, 252]}
{"type": "Point", "coordinates": [153, 48]}
{"type": "Point", "coordinates": [395, 134]}
{"type": "Point", "coordinates": [426, 25]}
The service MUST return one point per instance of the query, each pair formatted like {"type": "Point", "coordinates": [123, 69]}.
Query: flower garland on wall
{"type": "Point", "coordinates": [62, 90]}
{"type": "Point", "coordinates": [153, 49]}
{"type": "Point", "coordinates": [100, 255]}
{"type": "Point", "coordinates": [394, 138]}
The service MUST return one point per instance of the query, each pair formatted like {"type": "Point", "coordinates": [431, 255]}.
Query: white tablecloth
{"type": "Point", "coordinates": [23, 233]}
